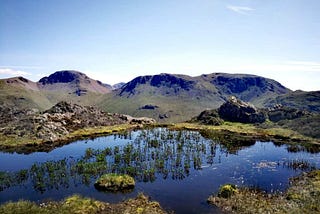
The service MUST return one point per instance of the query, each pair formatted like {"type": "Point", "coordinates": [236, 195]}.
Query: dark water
{"type": "Point", "coordinates": [180, 169]}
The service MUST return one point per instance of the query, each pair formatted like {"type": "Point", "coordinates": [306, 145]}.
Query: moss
{"type": "Point", "coordinates": [115, 182]}
{"type": "Point", "coordinates": [227, 190]}
{"type": "Point", "coordinates": [78, 204]}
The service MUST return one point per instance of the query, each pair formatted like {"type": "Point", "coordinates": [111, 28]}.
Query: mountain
{"type": "Point", "coordinates": [164, 97]}
{"type": "Point", "coordinates": [60, 86]}
{"type": "Point", "coordinates": [22, 93]}
{"type": "Point", "coordinates": [118, 85]}
{"type": "Point", "coordinates": [74, 82]}
{"type": "Point", "coordinates": [171, 97]}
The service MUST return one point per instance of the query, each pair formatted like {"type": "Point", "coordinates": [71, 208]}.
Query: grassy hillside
{"type": "Point", "coordinates": [21, 96]}
{"type": "Point", "coordinates": [60, 86]}
{"type": "Point", "coordinates": [177, 98]}
{"type": "Point", "coordinates": [167, 108]}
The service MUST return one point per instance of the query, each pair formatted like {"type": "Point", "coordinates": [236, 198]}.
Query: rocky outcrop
{"type": "Point", "coordinates": [233, 110]}
{"type": "Point", "coordinates": [137, 120]}
{"type": "Point", "coordinates": [236, 110]}
{"type": "Point", "coordinates": [279, 112]}
{"type": "Point", "coordinates": [59, 121]}
{"type": "Point", "coordinates": [210, 117]}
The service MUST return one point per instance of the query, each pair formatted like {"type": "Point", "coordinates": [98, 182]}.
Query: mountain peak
{"type": "Point", "coordinates": [64, 76]}
{"type": "Point", "coordinates": [160, 80]}
{"type": "Point", "coordinates": [77, 82]}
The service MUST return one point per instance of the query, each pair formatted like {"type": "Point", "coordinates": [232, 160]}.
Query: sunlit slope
{"type": "Point", "coordinates": [22, 93]}
{"type": "Point", "coordinates": [175, 98]}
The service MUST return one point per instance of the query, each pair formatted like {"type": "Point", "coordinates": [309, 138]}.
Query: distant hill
{"type": "Point", "coordinates": [179, 97]}
{"type": "Point", "coordinates": [118, 85]}
{"type": "Point", "coordinates": [59, 86]}
{"type": "Point", "coordinates": [73, 82]}
{"type": "Point", "coordinates": [22, 93]}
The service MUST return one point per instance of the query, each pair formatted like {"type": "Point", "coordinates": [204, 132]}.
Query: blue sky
{"type": "Point", "coordinates": [115, 41]}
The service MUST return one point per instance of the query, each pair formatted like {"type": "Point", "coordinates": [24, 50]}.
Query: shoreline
{"type": "Point", "coordinates": [241, 131]}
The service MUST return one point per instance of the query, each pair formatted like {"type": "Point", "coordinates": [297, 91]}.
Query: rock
{"type": "Point", "coordinates": [210, 117]}
{"type": "Point", "coordinates": [60, 120]}
{"type": "Point", "coordinates": [138, 120]}
{"type": "Point", "coordinates": [279, 112]}
{"type": "Point", "coordinates": [115, 182]}
{"type": "Point", "coordinates": [235, 110]}
{"type": "Point", "coordinates": [149, 107]}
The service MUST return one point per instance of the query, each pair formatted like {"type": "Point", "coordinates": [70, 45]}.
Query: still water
{"type": "Point", "coordinates": [179, 169]}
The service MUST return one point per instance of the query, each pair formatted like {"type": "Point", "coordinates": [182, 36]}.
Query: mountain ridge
{"type": "Point", "coordinates": [179, 97]}
{"type": "Point", "coordinates": [168, 97]}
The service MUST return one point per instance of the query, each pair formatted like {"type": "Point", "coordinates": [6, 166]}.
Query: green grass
{"type": "Point", "coordinates": [248, 129]}
{"type": "Point", "coordinates": [178, 107]}
{"type": "Point", "coordinates": [22, 98]}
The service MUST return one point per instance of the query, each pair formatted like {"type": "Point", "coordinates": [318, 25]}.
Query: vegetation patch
{"type": "Point", "coordinates": [303, 196]}
{"type": "Point", "coordinates": [79, 204]}
{"type": "Point", "coordinates": [227, 190]}
{"type": "Point", "coordinates": [115, 182]}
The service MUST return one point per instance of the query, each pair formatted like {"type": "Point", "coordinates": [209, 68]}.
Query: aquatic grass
{"type": "Point", "coordinates": [302, 196]}
{"type": "Point", "coordinates": [140, 159]}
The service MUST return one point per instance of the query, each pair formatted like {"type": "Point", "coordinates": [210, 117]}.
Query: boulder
{"type": "Point", "coordinates": [235, 110]}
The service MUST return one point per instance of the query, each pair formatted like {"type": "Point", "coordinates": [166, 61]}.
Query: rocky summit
{"type": "Point", "coordinates": [236, 110]}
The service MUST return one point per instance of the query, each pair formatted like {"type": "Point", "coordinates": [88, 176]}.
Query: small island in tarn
{"type": "Point", "coordinates": [115, 182]}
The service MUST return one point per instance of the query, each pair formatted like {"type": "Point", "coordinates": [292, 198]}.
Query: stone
{"type": "Point", "coordinates": [235, 110]}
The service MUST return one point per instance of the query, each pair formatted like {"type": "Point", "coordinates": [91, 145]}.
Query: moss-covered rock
{"type": "Point", "coordinates": [115, 182]}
